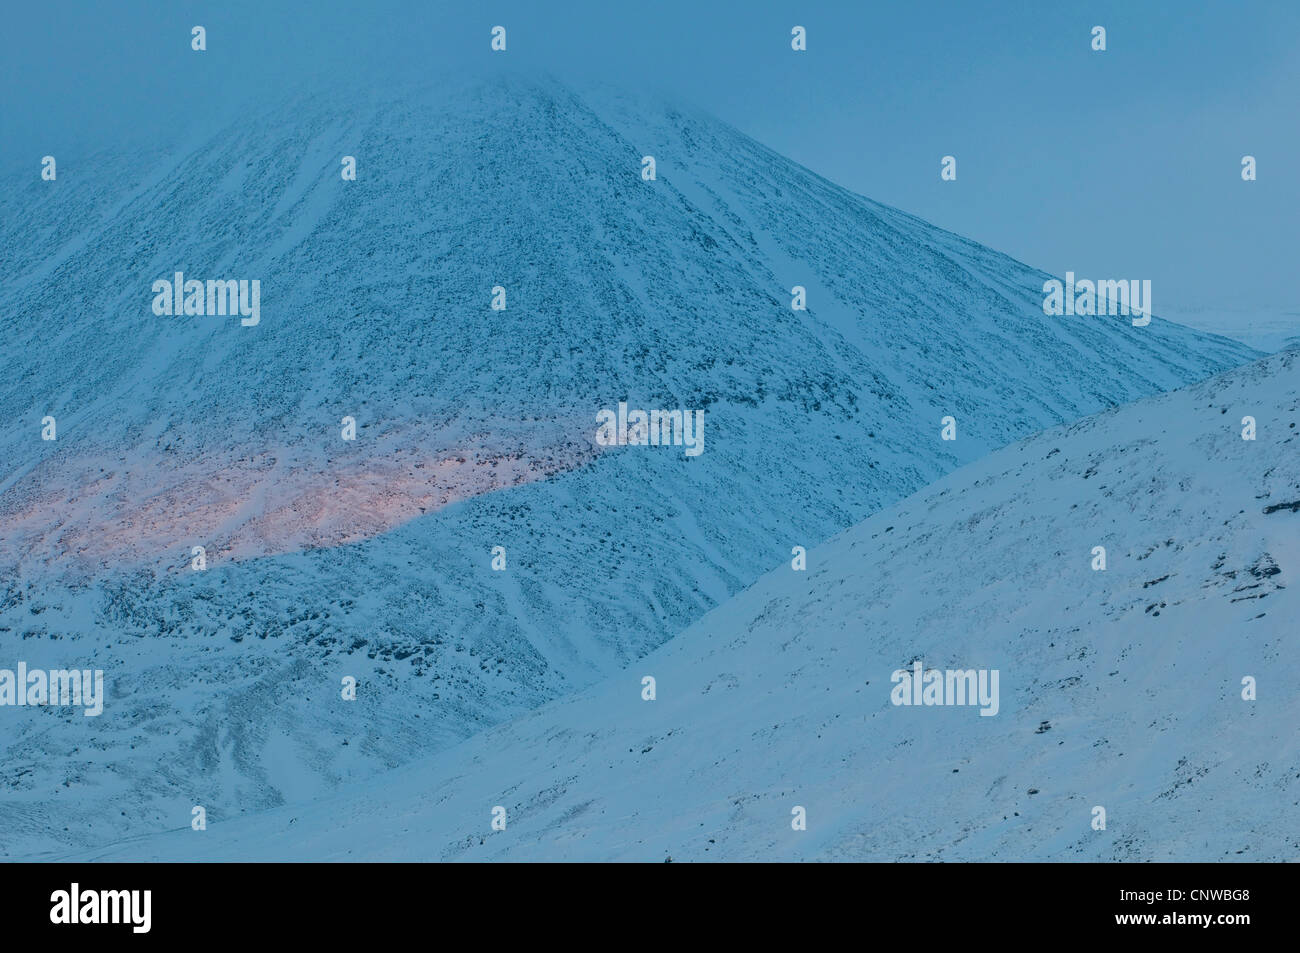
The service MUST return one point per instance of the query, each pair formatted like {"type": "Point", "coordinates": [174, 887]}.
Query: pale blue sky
{"type": "Point", "coordinates": [1118, 164]}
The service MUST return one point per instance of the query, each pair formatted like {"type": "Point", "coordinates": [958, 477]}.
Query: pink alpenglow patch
{"type": "Point", "coordinates": [148, 511]}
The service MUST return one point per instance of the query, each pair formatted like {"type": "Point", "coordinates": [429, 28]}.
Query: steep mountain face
{"type": "Point", "coordinates": [1123, 688]}
{"type": "Point", "coordinates": [373, 557]}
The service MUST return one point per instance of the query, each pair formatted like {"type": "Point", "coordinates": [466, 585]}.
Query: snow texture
{"type": "Point", "coordinates": [476, 429]}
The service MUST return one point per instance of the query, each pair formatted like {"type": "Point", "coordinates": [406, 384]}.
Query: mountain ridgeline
{"type": "Point", "coordinates": [475, 427]}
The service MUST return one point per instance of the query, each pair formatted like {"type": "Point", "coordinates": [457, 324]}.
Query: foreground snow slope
{"type": "Point", "coordinates": [1119, 689]}
{"type": "Point", "coordinates": [372, 558]}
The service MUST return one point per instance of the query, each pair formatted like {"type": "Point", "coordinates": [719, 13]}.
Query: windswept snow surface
{"type": "Point", "coordinates": [372, 558]}
{"type": "Point", "coordinates": [1119, 689]}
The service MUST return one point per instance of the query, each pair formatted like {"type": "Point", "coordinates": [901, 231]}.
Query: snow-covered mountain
{"type": "Point", "coordinates": [1120, 689]}
{"type": "Point", "coordinates": [372, 558]}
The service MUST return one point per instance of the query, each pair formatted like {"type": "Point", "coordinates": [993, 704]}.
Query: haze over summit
{"type": "Point", "coordinates": [1163, 116]}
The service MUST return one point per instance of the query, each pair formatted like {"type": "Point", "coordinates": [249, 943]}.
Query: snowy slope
{"type": "Point", "coordinates": [1120, 688]}
{"type": "Point", "coordinates": [372, 558]}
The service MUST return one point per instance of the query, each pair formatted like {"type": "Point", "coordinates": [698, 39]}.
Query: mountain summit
{"type": "Point", "coordinates": [475, 427]}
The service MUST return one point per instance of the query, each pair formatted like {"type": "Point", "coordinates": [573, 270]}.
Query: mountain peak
{"type": "Point", "coordinates": [500, 272]}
